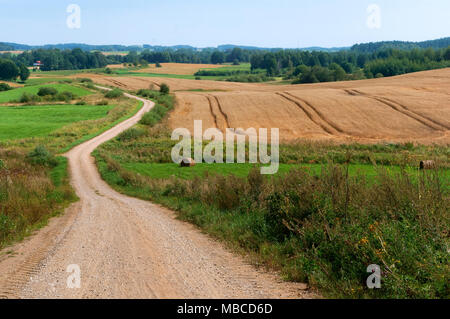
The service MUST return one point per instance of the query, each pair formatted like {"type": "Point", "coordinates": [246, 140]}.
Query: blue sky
{"type": "Point", "coordinates": [201, 23]}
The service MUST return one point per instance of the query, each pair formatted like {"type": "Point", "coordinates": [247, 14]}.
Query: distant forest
{"type": "Point", "coordinates": [298, 66]}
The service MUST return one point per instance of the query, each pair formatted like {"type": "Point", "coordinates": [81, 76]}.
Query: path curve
{"type": "Point", "coordinates": [128, 248]}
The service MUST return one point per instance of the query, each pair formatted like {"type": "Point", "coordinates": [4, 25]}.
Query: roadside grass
{"type": "Point", "coordinates": [30, 196]}
{"type": "Point", "coordinates": [15, 94]}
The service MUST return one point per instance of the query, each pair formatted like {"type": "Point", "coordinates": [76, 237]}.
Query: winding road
{"type": "Point", "coordinates": [128, 248]}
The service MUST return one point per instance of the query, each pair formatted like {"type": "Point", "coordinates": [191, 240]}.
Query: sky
{"type": "Point", "coordinates": [207, 23]}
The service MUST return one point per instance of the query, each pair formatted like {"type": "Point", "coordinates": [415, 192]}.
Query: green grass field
{"type": "Point", "coordinates": [33, 121]}
{"type": "Point", "coordinates": [241, 67]}
{"type": "Point", "coordinates": [43, 80]}
{"type": "Point", "coordinates": [168, 170]}
{"type": "Point", "coordinates": [15, 94]}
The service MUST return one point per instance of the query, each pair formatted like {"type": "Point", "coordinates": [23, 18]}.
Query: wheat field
{"type": "Point", "coordinates": [408, 108]}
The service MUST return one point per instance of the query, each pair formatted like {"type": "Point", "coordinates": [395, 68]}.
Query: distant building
{"type": "Point", "coordinates": [37, 65]}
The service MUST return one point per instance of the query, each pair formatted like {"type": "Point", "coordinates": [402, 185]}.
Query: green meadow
{"type": "Point", "coordinates": [169, 170]}
{"type": "Point", "coordinates": [33, 121]}
{"type": "Point", "coordinates": [15, 94]}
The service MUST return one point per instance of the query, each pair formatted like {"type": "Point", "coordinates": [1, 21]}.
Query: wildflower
{"type": "Point", "coordinates": [373, 227]}
{"type": "Point", "coordinates": [363, 241]}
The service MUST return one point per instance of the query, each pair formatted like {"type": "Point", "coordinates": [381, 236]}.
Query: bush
{"type": "Point", "coordinates": [164, 89]}
{"type": "Point", "coordinates": [41, 156]}
{"type": "Point", "coordinates": [114, 94]}
{"type": "Point", "coordinates": [147, 93]}
{"type": "Point", "coordinates": [2, 164]}
{"type": "Point", "coordinates": [5, 87]}
{"type": "Point", "coordinates": [89, 86]}
{"type": "Point", "coordinates": [65, 96]}
{"type": "Point", "coordinates": [27, 97]}
{"type": "Point", "coordinates": [85, 80]}
{"type": "Point", "coordinates": [44, 91]}
{"type": "Point", "coordinates": [154, 116]}
{"type": "Point", "coordinates": [131, 134]}
{"type": "Point", "coordinates": [251, 78]}
{"type": "Point", "coordinates": [158, 65]}
{"type": "Point", "coordinates": [81, 103]}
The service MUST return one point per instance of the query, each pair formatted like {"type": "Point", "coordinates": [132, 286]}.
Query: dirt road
{"type": "Point", "coordinates": [127, 248]}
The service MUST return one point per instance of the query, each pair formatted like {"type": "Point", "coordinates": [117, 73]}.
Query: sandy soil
{"type": "Point", "coordinates": [128, 248]}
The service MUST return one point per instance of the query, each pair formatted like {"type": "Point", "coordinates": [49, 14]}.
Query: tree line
{"type": "Point", "coordinates": [312, 67]}
{"type": "Point", "coordinates": [55, 59]}
{"type": "Point", "coordinates": [299, 66]}
{"type": "Point", "coordinates": [10, 71]}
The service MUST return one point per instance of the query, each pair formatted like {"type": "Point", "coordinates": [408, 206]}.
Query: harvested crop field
{"type": "Point", "coordinates": [412, 107]}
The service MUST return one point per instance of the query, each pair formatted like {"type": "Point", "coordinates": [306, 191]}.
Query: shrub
{"type": "Point", "coordinates": [27, 97]}
{"type": "Point", "coordinates": [85, 80]}
{"type": "Point", "coordinates": [149, 119]}
{"type": "Point", "coordinates": [44, 91]}
{"type": "Point", "coordinates": [2, 164]}
{"type": "Point", "coordinates": [41, 156]}
{"type": "Point", "coordinates": [114, 94]}
{"type": "Point", "coordinates": [158, 65]}
{"type": "Point", "coordinates": [5, 87]}
{"type": "Point", "coordinates": [164, 89]}
{"type": "Point", "coordinates": [146, 93]}
{"type": "Point", "coordinates": [81, 103]}
{"type": "Point", "coordinates": [131, 134]}
{"type": "Point", "coordinates": [65, 96]}
{"type": "Point", "coordinates": [154, 116]}
{"type": "Point", "coordinates": [89, 85]}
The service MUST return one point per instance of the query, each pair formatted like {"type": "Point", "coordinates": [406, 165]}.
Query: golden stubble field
{"type": "Point", "coordinates": [413, 107]}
